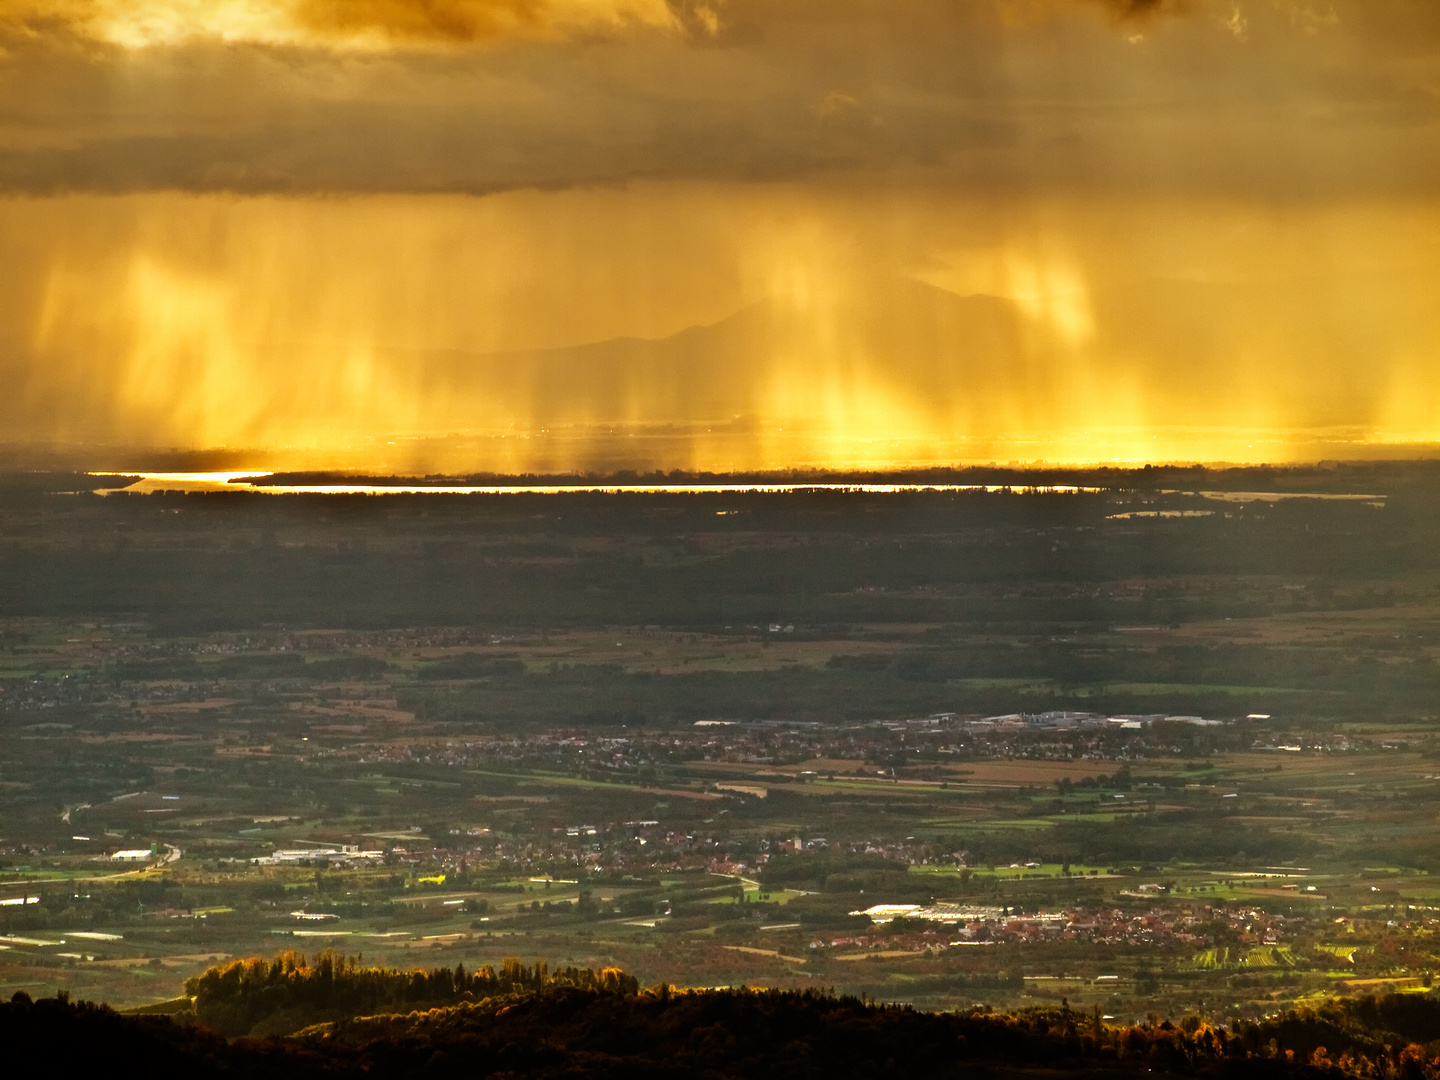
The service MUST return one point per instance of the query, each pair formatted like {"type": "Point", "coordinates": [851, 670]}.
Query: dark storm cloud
{"type": "Point", "coordinates": [1277, 98]}
{"type": "Point", "coordinates": [1134, 7]}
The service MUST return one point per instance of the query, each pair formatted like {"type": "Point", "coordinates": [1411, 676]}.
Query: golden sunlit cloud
{"type": "Point", "coordinates": [379, 23]}
{"type": "Point", "coordinates": [348, 23]}
{"type": "Point", "coordinates": [375, 96]}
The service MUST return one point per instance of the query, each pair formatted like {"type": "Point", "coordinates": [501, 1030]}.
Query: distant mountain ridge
{"type": "Point", "coordinates": [933, 347]}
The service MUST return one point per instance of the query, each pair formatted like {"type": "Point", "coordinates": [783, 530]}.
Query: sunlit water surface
{"type": "Point", "coordinates": [252, 482]}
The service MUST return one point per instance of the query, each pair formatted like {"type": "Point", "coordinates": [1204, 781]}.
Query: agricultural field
{"type": "Point", "coordinates": [1004, 748]}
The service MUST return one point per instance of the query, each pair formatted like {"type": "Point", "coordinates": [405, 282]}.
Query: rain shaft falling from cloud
{"type": "Point", "coordinates": [766, 329]}
{"type": "Point", "coordinates": [733, 234]}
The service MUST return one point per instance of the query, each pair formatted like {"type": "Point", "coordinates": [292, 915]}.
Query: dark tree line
{"type": "Point", "coordinates": [291, 992]}
{"type": "Point", "coordinates": [527, 1022]}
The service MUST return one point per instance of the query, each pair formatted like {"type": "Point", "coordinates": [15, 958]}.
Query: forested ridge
{"type": "Point", "coordinates": [527, 1021]}
{"type": "Point", "coordinates": [258, 996]}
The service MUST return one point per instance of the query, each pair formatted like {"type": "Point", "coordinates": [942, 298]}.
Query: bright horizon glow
{"type": "Point", "coordinates": [199, 482]}
{"type": "Point", "coordinates": [223, 481]}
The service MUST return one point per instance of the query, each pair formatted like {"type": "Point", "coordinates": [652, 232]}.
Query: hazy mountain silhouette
{"type": "Point", "coordinates": [916, 340]}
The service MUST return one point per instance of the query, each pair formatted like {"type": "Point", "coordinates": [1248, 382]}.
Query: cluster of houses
{"type": "Point", "coordinates": [349, 856]}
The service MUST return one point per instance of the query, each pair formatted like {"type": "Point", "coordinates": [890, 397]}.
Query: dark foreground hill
{"type": "Point", "coordinates": [574, 1026]}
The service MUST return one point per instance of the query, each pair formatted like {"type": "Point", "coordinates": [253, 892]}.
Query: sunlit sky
{"type": "Point", "coordinates": [510, 235]}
